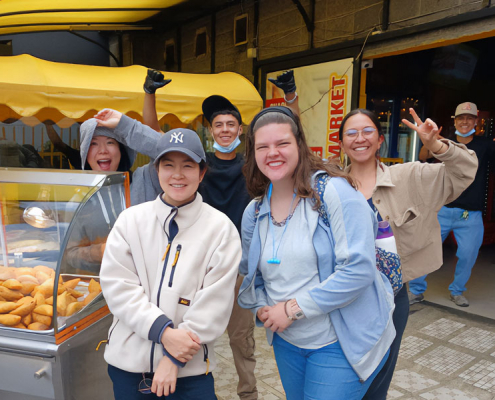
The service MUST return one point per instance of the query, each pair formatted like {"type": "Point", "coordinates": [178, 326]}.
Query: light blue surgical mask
{"type": "Point", "coordinates": [227, 149]}
{"type": "Point", "coordinates": [465, 134]}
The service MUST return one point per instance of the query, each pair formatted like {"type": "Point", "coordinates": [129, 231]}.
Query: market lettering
{"type": "Point", "coordinates": [336, 112]}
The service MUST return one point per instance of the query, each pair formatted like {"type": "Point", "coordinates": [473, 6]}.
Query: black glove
{"type": "Point", "coordinates": [285, 82]}
{"type": "Point", "coordinates": [154, 80]}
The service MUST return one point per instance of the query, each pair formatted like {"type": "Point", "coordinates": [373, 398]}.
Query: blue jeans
{"type": "Point", "coordinates": [318, 374]}
{"type": "Point", "coordinates": [126, 385]}
{"type": "Point", "coordinates": [469, 236]}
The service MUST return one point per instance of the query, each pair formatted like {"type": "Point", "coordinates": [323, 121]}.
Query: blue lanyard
{"type": "Point", "coordinates": [274, 259]}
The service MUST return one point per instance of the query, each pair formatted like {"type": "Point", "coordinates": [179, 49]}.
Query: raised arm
{"type": "Point", "coordinates": [54, 137]}
{"type": "Point", "coordinates": [130, 132]}
{"type": "Point", "coordinates": [428, 133]}
{"type": "Point", "coordinates": [440, 184]}
{"type": "Point", "coordinates": [154, 80]}
{"type": "Point", "coordinates": [287, 83]}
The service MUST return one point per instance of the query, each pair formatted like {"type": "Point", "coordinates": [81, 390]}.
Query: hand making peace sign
{"type": "Point", "coordinates": [428, 132]}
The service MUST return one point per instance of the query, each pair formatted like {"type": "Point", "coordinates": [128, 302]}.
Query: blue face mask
{"type": "Point", "coordinates": [465, 134]}
{"type": "Point", "coordinates": [227, 149]}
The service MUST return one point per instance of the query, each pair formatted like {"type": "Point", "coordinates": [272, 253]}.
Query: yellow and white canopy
{"type": "Point", "coordinates": [36, 90]}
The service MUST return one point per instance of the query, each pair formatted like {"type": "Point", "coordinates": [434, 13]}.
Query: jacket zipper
{"type": "Point", "coordinates": [172, 272]}
{"type": "Point", "coordinates": [111, 331]}
{"type": "Point", "coordinates": [165, 261]}
{"type": "Point", "coordinates": [107, 341]}
{"type": "Point", "coordinates": [206, 359]}
{"type": "Point", "coordinates": [171, 235]}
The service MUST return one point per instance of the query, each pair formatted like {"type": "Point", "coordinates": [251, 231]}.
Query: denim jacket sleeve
{"type": "Point", "coordinates": [253, 299]}
{"type": "Point", "coordinates": [247, 229]}
{"type": "Point", "coordinates": [352, 234]}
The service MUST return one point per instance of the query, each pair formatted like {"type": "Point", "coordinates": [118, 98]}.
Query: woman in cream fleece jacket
{"type": "Point", "coordinates": [168, 276]}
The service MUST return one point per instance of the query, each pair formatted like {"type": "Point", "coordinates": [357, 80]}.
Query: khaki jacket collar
{"type": "Point", "coordinates": [383, 176]}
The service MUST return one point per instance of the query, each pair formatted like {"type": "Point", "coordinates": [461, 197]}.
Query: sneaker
{"type": "Point", "coordinates": [415, 298]}
{"type": "Point", "coordinates": [459, 300]}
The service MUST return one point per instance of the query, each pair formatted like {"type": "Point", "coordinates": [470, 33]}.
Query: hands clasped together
{"type": "Point", "coordinates": [274, 317]}
{"type": "Point", "coordinates": [180, 344]}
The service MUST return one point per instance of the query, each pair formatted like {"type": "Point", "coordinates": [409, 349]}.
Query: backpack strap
{"type": "Point", "coordinates": [257, 207]}
{"type": "Point", "coordinates": [320, 186]}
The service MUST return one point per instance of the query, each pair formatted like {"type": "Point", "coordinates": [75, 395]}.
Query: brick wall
{"type": "Point", "coordinates": [282, 30]}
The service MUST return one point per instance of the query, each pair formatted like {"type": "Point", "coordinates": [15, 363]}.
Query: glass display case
{"type": "Point", "coordinates": [52, 313]}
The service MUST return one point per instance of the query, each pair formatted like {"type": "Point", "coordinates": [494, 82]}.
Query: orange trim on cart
{"type": "Point", "coordinates": [72, 330]}
{"type": "Point", "coordinates": [127, 186]}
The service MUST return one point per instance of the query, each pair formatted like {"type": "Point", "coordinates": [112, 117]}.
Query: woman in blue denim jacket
{"type": "Point", "coordinates": [311, 279]}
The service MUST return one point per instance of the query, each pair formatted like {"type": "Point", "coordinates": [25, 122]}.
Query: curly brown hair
{"type": "Point", "coordinates": [257, 183]}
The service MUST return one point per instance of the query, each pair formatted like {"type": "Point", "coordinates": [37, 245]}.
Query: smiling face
{"type": "Point", "coordinates": [276, 152]}
{"type": "Point", "coordinates": [363, 147]}
{"type": "Point", "coordinates": [225, 128]}
{"type": "Point", "coordinates": [179, 178]}
{"type": "Point", "coordinates": [464, 123]}
{"type": "Point", "coordinates": [104, 154]}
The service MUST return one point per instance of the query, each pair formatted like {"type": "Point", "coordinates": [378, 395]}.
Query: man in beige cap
{"type": "Point", "coordinates": [464, 215]}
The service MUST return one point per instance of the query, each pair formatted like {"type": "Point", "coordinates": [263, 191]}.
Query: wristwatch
{"type": "Point", "coordinates": [295, 312]}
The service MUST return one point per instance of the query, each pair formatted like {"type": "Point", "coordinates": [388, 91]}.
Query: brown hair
{"type": "Point", "coordinates": [257, 183]}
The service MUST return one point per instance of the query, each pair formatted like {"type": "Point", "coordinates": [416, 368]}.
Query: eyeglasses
{"type": "Point", "coordinates": [366, 132]}
{"type": "Point", "coordinates": [145, 385]}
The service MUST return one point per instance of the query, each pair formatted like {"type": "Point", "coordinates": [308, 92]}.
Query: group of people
{"type": "Point", "coordinates": [310, 263]}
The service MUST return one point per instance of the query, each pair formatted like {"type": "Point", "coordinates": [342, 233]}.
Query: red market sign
{"type": "Point", "coordinates": [275, 102]}
{"type": "Point", "coordinates": [317, 151]}
{"type": "Point", "coordinates": [336, 110]}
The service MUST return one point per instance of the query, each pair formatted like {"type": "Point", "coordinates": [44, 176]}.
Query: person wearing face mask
{"type": "Point", "coordinates": [463, 216]}
{"type": "Point", "coordinates": [168, 275]}
{"type": "Point", "coordinates": [223, 187]}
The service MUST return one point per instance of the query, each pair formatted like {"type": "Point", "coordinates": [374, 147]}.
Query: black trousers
{"type": "Point", "coordinates": [126, 385]}
{"type": "Point", "coordinates": [379, 387]}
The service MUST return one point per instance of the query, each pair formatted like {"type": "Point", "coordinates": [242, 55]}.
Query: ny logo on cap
{"type": "Point", "coordinates": [177, 136]}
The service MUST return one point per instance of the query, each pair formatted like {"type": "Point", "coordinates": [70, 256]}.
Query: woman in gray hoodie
{"type": "Point", "coordinates": [100, 151]}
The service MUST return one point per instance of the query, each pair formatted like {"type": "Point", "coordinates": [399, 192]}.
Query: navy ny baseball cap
{"type": "Point", "coordinates": [182, 140]}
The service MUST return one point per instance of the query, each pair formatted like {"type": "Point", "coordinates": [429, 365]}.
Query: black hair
{"type": "Point", "coordinates": [234, 113]}
{"type": "Point", "coordinates": [125, 163]}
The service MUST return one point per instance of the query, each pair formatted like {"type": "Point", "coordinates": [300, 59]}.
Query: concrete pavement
{"type": "Point", "coordinates": [446, 354]}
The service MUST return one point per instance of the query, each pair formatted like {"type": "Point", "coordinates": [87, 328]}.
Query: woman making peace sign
{"type": "Point", "coordinates": [407, 196]}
